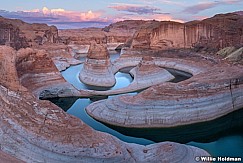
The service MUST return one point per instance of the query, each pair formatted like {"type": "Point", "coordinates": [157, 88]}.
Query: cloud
{"type": "Point", "coordinates": [73, 19]}
{"type": "Point", "coordinates": [138, 9]}
{"type": "Point", "coordinates": [207, 5]}
{"type": "Point", "coordinates": [56, 16]}
{"type": "Point", "coordinates": [200, 7]}
{"type": "Point", "coordinates": [169, 2]}
{"type": "Point", "coordinates": [158, 17]}
{"type": "Point", "coordinates": [232, 1]}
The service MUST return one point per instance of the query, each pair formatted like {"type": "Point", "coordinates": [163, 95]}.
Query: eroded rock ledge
{"type": "Point", "coordinates": [97, 69]}
{"type": "Point", "coordinates": [38, 131]}
{"type": "Point", "coordinates": [215, 89]}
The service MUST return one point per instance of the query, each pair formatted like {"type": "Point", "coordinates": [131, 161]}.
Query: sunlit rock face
{"type": "Point", "coordinates": [9, 76]}
{"type": "Point", "coordinates": [97, 70]}
{"type": "Point", "coordinates": [209, 34]}
{"type": "Point", "coordinates": [19, 34]}
{"type": "Point", "coordinates": [114, 35]}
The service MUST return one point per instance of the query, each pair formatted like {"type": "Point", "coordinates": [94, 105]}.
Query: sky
{"type": "Point", "coordinates": [99, 13]}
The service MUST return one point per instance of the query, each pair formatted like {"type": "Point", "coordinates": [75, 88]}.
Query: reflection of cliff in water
{"type": "Point", "coordinates": [64, 103]}
{"type": "Point", "coordinates": [200, 132]}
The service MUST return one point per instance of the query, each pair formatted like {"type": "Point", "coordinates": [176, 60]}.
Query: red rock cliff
{"type": "Point", "coordinates": [213, 33]}
{"type": "Point", "coordinates": [118, 32]}
{"type": "Point", "coordinates": [19, 34]}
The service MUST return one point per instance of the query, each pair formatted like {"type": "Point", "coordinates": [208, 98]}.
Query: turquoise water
{"type": "Point", "coordinates": [77, 109]}
{"type": "Point", "coordinates": [221, 137]}
{"type": "Point", "coordinates": [228, 146]}
{"type": "Point", "coordinates": [72, 76]}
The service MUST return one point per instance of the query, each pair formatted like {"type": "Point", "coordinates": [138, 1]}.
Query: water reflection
{"type": "Point", "coordinates": [72, 76]}
{"type": "Point", "coordinates": [77, 109]}
{"type": "Point", "coordinates": [201, 132]}
{"type": "Point", "coordinates": [220, 137]}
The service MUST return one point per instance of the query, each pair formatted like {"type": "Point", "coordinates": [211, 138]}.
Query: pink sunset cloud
{"type": "Point", "coordinates": [138, 9]}
{"type": "Point", "coordinates": [194, 9]}
{"type": "Point", "coordinates": [158, 17]}
{"type": "Point", "coordinates": [140, 12]}
{"type": "Point", "coordinates": [60, 17]}
{"type": "Point", "coordinates": [67, 15]}
{"type": "Point", "coordinates": [73, 19]}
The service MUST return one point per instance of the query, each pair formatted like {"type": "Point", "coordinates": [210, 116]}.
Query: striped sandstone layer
{"type": "Point", "coordinates": [215, 90]}
{"type": "Point", "coordinates": [97, 70]}
{"type": "Point", "coordinates": [38, 131]}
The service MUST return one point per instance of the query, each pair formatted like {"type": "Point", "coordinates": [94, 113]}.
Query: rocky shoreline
{"type": "Point", "coordinates": [34, 130]}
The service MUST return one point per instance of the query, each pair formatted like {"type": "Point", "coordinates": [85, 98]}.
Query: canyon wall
{"type": "Point", "coordinates": [32, 130]}
{"type": "Point", "coordinates": [214, 33]}
{"type": "Point", "coordinates": [18, 34]}
{"type": "Point", "coordinates": [9, 77]}
{"type": "Point", "coordinates": [118, 32]}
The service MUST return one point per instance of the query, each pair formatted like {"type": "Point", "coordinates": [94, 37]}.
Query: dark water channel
{"type": "Point", "coordinates": [220, 137]}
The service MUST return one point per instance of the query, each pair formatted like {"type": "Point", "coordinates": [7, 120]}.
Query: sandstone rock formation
{"type": "Point", "coordinates": [113, 35]}
{"type": "Point", "coordinates": [214, 33]}
{"type": "Point", "coordinates": [37, 72]}
{"type": "Point", "coordinates": [236, 56]}
{"type": "Point", "coordinates": [215, 89]}
{"type": "Point", "coordinates": [226, 51]}
{"type": "Point", "coordinates": [147, 73]}
{"type": "Point", "coordinates": [19, 34]}
{"type": "Point", "coordinates": [38, 131]}
{"type": "Point", "coordinates": [209, 35]}
{"type": "Point", "coordinates": [9, 75]}
{"type": "Point", "coordinates": [5, 158]}
{"type": "Point", "coordinates": [232, 54]}
{"type": "Point", "coordinates": [63, 63]}
{"type": "Point", "coordinates": [97, 69]}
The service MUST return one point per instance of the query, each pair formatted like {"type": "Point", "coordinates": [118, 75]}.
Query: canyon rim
{"type": "Point", "coordinates": [180, 77]}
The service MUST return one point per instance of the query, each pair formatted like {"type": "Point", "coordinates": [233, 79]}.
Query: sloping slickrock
{"type": "Point", "coordinates": [37, 72]}
{"type": "Point", "coordinates": [148, 74]}
{"type": "Point", "coordinates": [236, 56]}
{"type": "Point", "coordinates": [78, 50]}
{"type": "Point", "coordinates": [38, 131]}
{"type": "Point", "coordinates": [216, 89]}
{"type": "Point", "coordinates": [63, 63]}
{"type": "Point", "coordinates": [97, 70]}
{"type": "Point", "coordinates": [226, 51]}
{"type": "Point", "coordinates": [5, 158]}
{"type": "Point", "coordinates": [145, 74]}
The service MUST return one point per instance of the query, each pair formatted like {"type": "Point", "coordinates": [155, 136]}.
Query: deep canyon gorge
{"type": "Point", "coordinates": [152, 89]}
